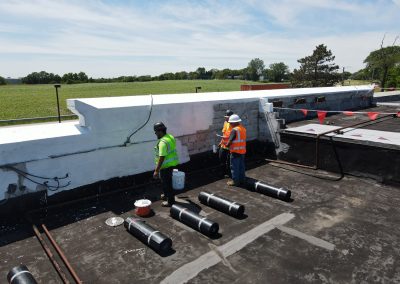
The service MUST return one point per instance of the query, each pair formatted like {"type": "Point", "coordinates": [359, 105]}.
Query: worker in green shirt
{"type": "Point", "coordinates": [166, 158]}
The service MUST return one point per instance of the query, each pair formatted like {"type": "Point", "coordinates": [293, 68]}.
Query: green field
{"type": "Point", "coordinates": [25, 101]}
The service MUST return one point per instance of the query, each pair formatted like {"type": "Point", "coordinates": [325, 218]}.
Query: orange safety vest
{"type": "Point", "coordinates": [226, 132]}
{"type": "Point", "coordinates": [238, 144]}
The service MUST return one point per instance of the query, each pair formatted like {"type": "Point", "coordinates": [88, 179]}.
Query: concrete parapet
{"type": "Point", "coordinates": [97, 147]}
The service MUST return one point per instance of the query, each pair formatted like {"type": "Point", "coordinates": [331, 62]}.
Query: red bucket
{"type": "Point", "coordinates": [143, 207]}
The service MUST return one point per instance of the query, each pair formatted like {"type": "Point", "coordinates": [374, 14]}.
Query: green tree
{"type": "Point", "coordinates": [277, 72]}
{"type": "Point", "coordinates": [254, 69]}
{"type": "Point", "coordinates": [394, 77]}
{"type": "Point", "coordinates": [41, 77]}
{"type": "Point", "coordinates": [82, 77]}
{"type": "Point", "coordinates": [2, 81]}
{"type": "Point", "coordinates": [183, 75]}
{"type": "Point", "coordinates": [382, 60]}
{"type": "Point", "coordinates": [201, 71]}
{"type": "Point", "coordinates": [316, 70]}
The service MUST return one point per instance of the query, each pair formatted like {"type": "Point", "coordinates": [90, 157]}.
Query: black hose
{"type": "Point", "coordinates": [128, 139]}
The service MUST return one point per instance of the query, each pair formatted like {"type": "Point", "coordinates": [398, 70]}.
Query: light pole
{"type": "Point", "coordinates": [197, 88]}
{"type": "Point", "coordinates": [58, 103]}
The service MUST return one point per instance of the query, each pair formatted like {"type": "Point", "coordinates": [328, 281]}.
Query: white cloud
{"type": "Point", "coordinates": [67, 36]}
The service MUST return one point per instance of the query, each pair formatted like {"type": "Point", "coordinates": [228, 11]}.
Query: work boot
{"type": "Point", "coordinates": [163, 197]}
{"type": "Point", "coordinates": [230, 183]}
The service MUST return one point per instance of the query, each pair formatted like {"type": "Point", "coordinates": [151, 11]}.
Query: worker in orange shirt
{"type": "Point", "coordinates": [237, 149]}
{"type": "Point", "coordinates": [223, 153]}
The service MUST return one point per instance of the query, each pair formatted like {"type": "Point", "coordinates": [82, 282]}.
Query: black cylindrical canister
{"type": "Point", "coordinates": [197, 222]}
{"type": "Point", "coordinates": [20, 275]}
{"type": "Point", "coordinates": [222, 204]}
{"type": "Point", "coordinates": [149, 236]}
{"type": "Point", "coordinates": [266, 189]}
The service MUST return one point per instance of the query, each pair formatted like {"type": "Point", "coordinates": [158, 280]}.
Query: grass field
{"type": "Point", "coordinates": [24, 101]}
{"type": "Point", "coordinates": [356, 82]}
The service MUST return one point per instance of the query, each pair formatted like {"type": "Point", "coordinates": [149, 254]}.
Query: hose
{"type": "Point", "coordinates": [128, 139]}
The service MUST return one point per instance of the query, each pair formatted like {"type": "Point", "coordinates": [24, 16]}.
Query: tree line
{"type": "Point", "coordinates": [316, 70]}
{"type": "Point", "coordinates": [255, 69]}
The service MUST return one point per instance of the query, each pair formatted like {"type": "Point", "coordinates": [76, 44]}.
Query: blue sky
{"type": "Point", "coordinates": [113, 38]}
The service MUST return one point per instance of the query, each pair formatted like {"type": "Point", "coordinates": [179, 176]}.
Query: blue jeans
{"type": "Point", "coordinates": [238, 168]}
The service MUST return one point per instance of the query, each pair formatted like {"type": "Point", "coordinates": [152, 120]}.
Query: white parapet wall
{"type": "Point", "coordinates": [97, 147]}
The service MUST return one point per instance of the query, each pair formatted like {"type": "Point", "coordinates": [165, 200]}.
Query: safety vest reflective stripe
{"type": "Point", "coordinates": [238, 145]}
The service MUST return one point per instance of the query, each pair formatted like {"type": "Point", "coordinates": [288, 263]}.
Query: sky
{"type": "Point", "coordinates": [113, 38]}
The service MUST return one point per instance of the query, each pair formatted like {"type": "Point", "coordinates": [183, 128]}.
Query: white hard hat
{"type": "Point", "coordinates": [234, 118]}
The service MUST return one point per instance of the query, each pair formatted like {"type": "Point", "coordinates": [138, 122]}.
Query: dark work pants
{"type": "Point", "coordinates": [166, 181]}
{"type": "Point", "coordinates": [225, 161]}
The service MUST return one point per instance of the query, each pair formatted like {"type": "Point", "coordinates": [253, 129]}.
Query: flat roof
{"type": "Point", "coordinates": [334, 230]}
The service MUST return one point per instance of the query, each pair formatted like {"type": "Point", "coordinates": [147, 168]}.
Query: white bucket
{"type": "Point", "coordinates": [178, 180]}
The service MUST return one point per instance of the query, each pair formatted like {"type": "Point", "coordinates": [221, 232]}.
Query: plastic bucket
{"type": "Point", "coordinates": [178, 180]}
{"type": "Point", "coordinates": [143, 207]}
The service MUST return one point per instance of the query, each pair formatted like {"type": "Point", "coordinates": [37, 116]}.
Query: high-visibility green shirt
{"type": "Point", "coordinates": [166, 147]}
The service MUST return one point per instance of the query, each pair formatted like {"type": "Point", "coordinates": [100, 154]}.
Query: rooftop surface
{"type": "Point", "coordinates": [333, 231]}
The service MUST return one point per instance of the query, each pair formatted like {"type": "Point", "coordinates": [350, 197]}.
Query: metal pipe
{"type": "Point", "coordinates": [50, 255]}
{"type": "Point", "coordinates": [291, 164]}
{"type": "Point", "coordinates": [62, 255]}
